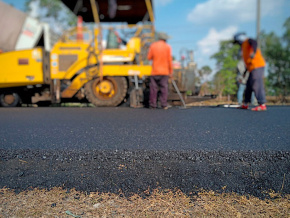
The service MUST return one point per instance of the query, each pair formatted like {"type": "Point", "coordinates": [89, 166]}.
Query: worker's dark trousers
{"type": "Point", "coordinates": [255, 83]}
{"type": "Point", "coordinates": [156, 83]}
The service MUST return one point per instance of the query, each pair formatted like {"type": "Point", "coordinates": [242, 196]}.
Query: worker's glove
{"type": "Point", "coordinates": [245, 72]}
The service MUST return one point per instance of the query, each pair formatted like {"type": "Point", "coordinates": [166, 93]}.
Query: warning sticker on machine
{"type": "Point", "coordinates": [54, 56]}
{"type": "Point", "coordinates": [134, 72]}
{"type": "Point", "coordinates": [113, 58]}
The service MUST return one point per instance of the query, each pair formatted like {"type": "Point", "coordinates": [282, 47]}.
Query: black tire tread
{"type": "Point", "coordinates": [14, 104]}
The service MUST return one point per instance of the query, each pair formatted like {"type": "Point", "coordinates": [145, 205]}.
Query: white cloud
{"type": "Point", "coordinates": [162, 2]}
{"type": "Point", "coordinates": [232, 11]}
{"type": "Point", "coordinates": [210, 44]}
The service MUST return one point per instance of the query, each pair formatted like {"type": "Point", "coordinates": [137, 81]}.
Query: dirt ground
{"type": "Point", "coordinates": [61, 203]}
{"type": "Point", "coordinates": [271, 100]}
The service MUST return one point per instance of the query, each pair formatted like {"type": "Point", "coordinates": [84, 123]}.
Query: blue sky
{"type": "Point", "coordinates": [199, 25]}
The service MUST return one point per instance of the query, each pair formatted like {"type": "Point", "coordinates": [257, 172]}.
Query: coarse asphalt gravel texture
{"type": "Point", "coordinates": [132, 150]}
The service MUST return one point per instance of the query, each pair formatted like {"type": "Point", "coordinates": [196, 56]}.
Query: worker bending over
{"type": "Point", "coordinates": [255, 64]}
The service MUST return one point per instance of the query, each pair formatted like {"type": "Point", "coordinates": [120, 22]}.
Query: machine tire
{"type": "Point", "coordinates": [116, 94]}
{"type": "Point", "coordinates": [12, 102]}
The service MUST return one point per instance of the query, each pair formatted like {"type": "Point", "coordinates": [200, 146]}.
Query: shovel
{"type": "Point", "coordinates": [178, 92]}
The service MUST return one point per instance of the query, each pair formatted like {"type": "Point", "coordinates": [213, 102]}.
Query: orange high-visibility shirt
{"type": "Point", "coordinates": [252, 63]}
{"type": "Point", "coordinates": [160, 54]}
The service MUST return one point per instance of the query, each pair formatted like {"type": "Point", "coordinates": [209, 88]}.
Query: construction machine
{"type": "Point", "coordinates": [81, 68]}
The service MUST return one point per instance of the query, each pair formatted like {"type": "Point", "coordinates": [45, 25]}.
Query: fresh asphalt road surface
{"type": "Point", "coordinates": [197, 128]}
{"type": "Point", "coordinates": [113, 149]}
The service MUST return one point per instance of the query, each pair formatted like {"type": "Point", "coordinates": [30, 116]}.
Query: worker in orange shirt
{"type": "Point", "coordinates": [255, 64]}
{"type": "Point", "coordinates": [160, 54]}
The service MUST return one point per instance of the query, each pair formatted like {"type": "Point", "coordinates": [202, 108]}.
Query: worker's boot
{"type": "Point", "coordinates": [243, 106]}
{"type": "Point", "coordinates": [261, 107]}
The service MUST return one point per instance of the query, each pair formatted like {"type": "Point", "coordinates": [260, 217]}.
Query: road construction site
{"type": "Point", "coordinates": [110, 152]}
{"type": "Point", "coordinates": [44, 69]}
{"type": "Point", "coordinates": [124, 151]}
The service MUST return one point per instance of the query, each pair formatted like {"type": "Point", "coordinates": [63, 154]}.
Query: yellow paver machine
{"type": "Point", "coordinates": [82, 67]}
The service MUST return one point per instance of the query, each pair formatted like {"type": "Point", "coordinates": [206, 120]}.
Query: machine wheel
{"type": "Point", "coordinates": [10, 99]}
{"type": "Point", "coordinates": [109, 92]}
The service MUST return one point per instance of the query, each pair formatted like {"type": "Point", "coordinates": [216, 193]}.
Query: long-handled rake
{"type": "Point", "coordinates": [179, 94]}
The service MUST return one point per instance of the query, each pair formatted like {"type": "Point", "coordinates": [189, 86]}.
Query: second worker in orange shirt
{"type": "Point", "coordinates": [160, 54]}
{"type": "Point", "coordinates": [255, 64]}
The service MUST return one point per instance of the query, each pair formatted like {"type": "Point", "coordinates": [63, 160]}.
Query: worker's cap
{"type": "Point", "coordinates": [163, 36]}
{"type": "Point", "coordinates": [239, 38]}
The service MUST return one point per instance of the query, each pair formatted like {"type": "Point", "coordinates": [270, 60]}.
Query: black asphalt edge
{"type": "Point", "coordinates": [129, 172]}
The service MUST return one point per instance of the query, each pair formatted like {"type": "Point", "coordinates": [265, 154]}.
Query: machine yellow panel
{"type": "Point", "coordinates": [21, 68]}
{"type": "Point", "coordinates": [68, 54]}
{"type": "Point", "coordinates": [127, 70]}
{"type": "Point", "coordinates": [134, 44]}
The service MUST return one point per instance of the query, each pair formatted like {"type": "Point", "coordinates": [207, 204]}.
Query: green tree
{"type": "Point", "coordinates": [217, 84]}
{"type": "Point", "coordinates": [53, 11]}
{"type": "Point", "coordinates": [224, 82]}
{"type": "Point", "coordinates": [204, 72]}
{"type": "Point", "coordinates": [277, 54]}
{"type": "Point", "coordinates": [201, 77]}
{"type": "Point", "coordinates": [286, 35]}
{"type": "Point", "coordinates": [201, 80]}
